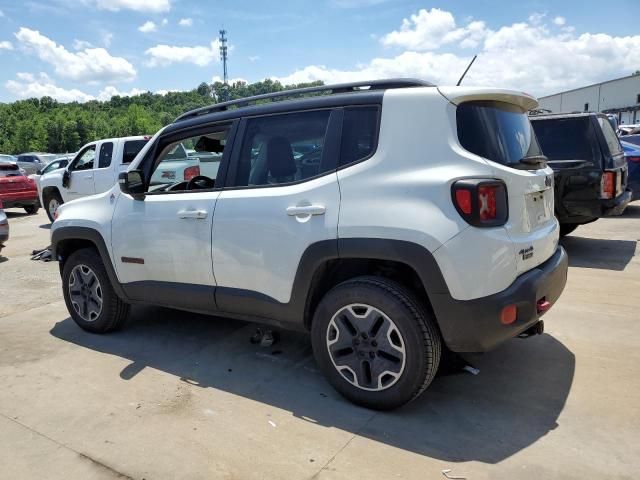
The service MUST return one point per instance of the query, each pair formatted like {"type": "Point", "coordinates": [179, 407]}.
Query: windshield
{"type": "Point", "coordinates": [570, 138]}
{"type": "Point", "coordinates": [497, 131]}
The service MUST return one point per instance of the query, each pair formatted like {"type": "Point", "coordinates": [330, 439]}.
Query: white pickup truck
{"type": "Point", "coordinates": [94, 169]}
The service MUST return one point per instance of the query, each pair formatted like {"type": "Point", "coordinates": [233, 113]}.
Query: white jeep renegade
{"type": "Point", "coordinates": [391, 219]}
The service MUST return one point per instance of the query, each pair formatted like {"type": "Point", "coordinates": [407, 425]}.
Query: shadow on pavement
{"type": "Point", "coordinates": [46, 226]}
{"type": "Point", "coordinates": [3, 259]}
{"type": "Point", "coordinates": [601, 253]}
{"type": "Point", "coordinates": [515, 400]}
{"type": "Point", "coordinates": [632, 211]}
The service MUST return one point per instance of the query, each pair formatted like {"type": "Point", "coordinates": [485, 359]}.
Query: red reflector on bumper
{"type": "Point", "coordinates": [542, 306]}
{"type": "Point", "coordinates": [509, 314]}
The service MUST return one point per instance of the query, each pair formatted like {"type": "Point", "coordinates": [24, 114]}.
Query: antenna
{"type": "Point", "coordinates": [465, 72]}
{"type": "Point", "coordinates": [223, 54]}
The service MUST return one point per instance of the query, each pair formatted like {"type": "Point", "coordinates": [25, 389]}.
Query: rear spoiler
{"type": "Point", "coordinates": [458, 95]}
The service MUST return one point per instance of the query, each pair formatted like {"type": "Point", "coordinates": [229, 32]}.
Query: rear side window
{"type": "Point", "coordinates": [496, 131]}
{"type": "Point", "coordinates": [610, 136]}
{"type": "Point", "coordinates": [359, 134]}
{"type": "Point", "coordinates": [282, 148]}
{"type": "Point", "coordinates": [106, 152]}
{"type": "Point", "coordinates": [131, 149]}
{"type": "Point", "coordinates": [572, 138]}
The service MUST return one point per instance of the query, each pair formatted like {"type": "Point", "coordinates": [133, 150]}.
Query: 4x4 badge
{"type": "Point", "coordinates": [548, 181]}
{"type": "Point", "coordinates": [526, 252]}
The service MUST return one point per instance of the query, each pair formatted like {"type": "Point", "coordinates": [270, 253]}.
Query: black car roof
{"type": "Point", "coordinates": [566, 115]}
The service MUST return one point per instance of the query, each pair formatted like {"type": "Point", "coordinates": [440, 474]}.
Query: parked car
{"type": "Point", "coordinates": [4, 227]}
{"type": "Point", "coordinates": [589, 167]}
{"type": "Point", "coordinates": [633, 129]}
{"type": "Point", "coordinates": [635, 139]}
{"type": "Point", "coordinates": [32, 162]}
{"type": "Point", "coordinates": [16, 190]}
{"type": "Point", "coordinates": [8, 158]}
{"type": "Point", "coordinates": [180, 165]}
{"type": "Point", "coordinates": [85, 175]}
{"type": "Point", "coordinates": [632, 154]}
{"type": "Point", "coordinates": [427, 222]}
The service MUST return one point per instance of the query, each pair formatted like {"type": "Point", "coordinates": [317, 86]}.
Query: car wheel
{"type": "Point", "coordinates": [567, 228]}
{"type": "Point", "coordinates": [52, 202]}
{"type": "Point", "coordinates": [375, 342]}
{"type": "Point", "coordinates": [89, 295]}
{"type": "Point", "coordinates": [32, 209]}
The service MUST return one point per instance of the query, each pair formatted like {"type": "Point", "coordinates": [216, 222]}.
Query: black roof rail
{"type": "Point", "coordinates": [331, 89]}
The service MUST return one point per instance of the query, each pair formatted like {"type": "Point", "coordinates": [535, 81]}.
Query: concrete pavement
{"type": "Point", "coordinates": [177, 395]}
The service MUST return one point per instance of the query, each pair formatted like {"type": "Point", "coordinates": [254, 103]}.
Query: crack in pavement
{"type": "Point", "coordinates": [84, 456]}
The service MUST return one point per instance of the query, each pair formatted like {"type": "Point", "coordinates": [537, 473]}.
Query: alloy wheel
{"type": "Point", "coordinates": [366, 347]}
{"type": "Point", "coordinates": [85, 293]}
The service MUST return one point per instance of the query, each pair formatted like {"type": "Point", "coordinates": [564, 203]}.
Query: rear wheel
{"type": "Point", "coordinates": [52, 202]}
{"type": "Point", "coordinates": [375, 342]}
{"type": "Point", "coordinates": [89, 295]}
{"type": "Point", "coordinates": [567, 228]}
{"type": "Point", "coordinates": [32, 209]}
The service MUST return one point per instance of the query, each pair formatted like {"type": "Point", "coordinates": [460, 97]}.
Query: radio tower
{"type": "Point", "coordinates": [223, 57]}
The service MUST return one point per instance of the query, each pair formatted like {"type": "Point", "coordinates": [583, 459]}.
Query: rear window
{"type": "Point", "coordinates": [131, 149]}
{"type": "Point", "coordinates": [567, 138]}
{"type": "Point", "coordinates": [9, 171]}
{"type": "Point", "coordinates": [497, 131]}
{"type": "Point", "coordinates": [609, 135]}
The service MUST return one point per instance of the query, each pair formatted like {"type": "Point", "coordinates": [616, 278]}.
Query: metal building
{"type": "Point", "coordinates": [620, 96]}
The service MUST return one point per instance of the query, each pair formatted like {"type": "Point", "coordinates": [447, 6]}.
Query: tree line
{"type": "Point", "coordinates": [46, 125]}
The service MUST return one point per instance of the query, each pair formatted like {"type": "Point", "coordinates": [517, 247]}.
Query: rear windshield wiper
{"type": "Point", "coordinates": [538, 161]}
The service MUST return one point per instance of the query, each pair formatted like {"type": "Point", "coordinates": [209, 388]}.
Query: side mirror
{"type": "Point", "coordinates": [66, 179]}
{"type": "Point", "coordinates": [39, 172]}
{"type": "Point", "coordinates": [132, 183]}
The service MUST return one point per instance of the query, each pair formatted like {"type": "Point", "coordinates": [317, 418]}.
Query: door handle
{"type": "Point", "coordinates": [89, 177]}
{"type": "Point", "coordinates": [306, 210]}
{"type": "Point", "coordinates": [197, 214]}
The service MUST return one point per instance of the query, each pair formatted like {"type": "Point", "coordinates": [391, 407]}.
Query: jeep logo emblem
{"type": "Point", "coordinates": [548, 181]}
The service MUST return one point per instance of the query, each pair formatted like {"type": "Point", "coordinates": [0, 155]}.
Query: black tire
{"type": "Point", "coordinates": [567, 228]}
{"type": "Point", "coordinates": [48, 197]}
{"type": "Point", "coordinates": [32, 209]}
{"type": "Point", "coordinates": [418, 332]}
{"type": "Point", "coordinates": [113, 312]}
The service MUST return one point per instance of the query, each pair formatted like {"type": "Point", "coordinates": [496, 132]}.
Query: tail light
{"type": "Point", "coordinates": [634, 159]}
{"type": "Point", "coordinates": [482, 203]}
{"type": "Point", "coordinates": [191, 172]}
{"type": "Point", "coordinates": [608, 185]}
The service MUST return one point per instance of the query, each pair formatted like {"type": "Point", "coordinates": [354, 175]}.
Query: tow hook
{"type": "Point", "coordinates": [537, 329]}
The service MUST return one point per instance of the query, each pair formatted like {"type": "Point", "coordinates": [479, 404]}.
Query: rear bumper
{"type": "Point", "coordinates": [584, 211]}
{"type": "Point", "coordinates": [20, 199]}
{"type": "Point", "coordinates": [474, 325]}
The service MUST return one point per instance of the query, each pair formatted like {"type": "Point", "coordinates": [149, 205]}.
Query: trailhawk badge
{"type": "Point", "coordinates": [526, 253]}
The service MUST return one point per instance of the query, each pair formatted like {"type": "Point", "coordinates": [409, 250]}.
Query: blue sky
{"type": "Point", "coordinates": [83, 49]}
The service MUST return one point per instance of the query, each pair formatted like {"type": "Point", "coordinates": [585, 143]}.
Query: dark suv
{"type": "Point", "coordinates": [589, 167]}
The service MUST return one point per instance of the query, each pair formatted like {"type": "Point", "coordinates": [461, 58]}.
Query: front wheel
{"type": "Point", "coordinates": [52, 202]}
{"type": "Point", "coordinates": [89, 295]}
{"type": "Point", "coordinates": [375, 342]}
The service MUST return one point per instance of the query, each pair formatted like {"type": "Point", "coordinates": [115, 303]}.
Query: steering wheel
{"type": "Point", "coordinates": [201, 182]}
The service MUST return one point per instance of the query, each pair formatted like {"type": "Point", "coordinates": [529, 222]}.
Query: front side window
{"type": "Point", "coordinates": [52, 166]}
{"type": "Point", "coordinates": [9, 170]}
{"type": "Point", "coordinates": [497, 131]}
{"type": "Point", "coordinates": [85, 160]}
{"type": "Point", "coordinates": [106, 152]}
{"type": "Point", "coordinates": [190, 163]}
{"type": "Point", "coordinates": [280, 149]}
{"type": "Point", "coordinates": [359, 134]}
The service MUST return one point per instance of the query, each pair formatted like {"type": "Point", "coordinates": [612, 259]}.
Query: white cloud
{"type": "Point", "coordinates": [185, 22]}
{"type": "Point", "coordinates": [430, 29]}
{"type": "Point", "coordinates": [149, 6]}
{"type": "Point", "coordinates": [165, 21]}
{"type": "Point", "coordinates": [6, 45]}
{"type": "Point", "coordinates": [81, 44]}
{"type": "Point", "coordinates": [254, 58]}
{"type": "Point", "coordinates": [110, 91]}
{"type": "Point", "coordinates": [537, 18]}
{"type": "Point", "coordinates": [560, 21]}
{"type": "Point", "coordinates": [527, 56]}
{"type": "Point", "coordinates": [163, 55]}
{"type": "Point", "coordinates": [218, 78]}
{"type": "Point", "coordinates": [147, 27]}
{"type": "Point", "coordinates": [28, 86]}
{"type": "Point", "coordinates": [1, 14]}
{"type": "Point", "coordinates": [88, 65]}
